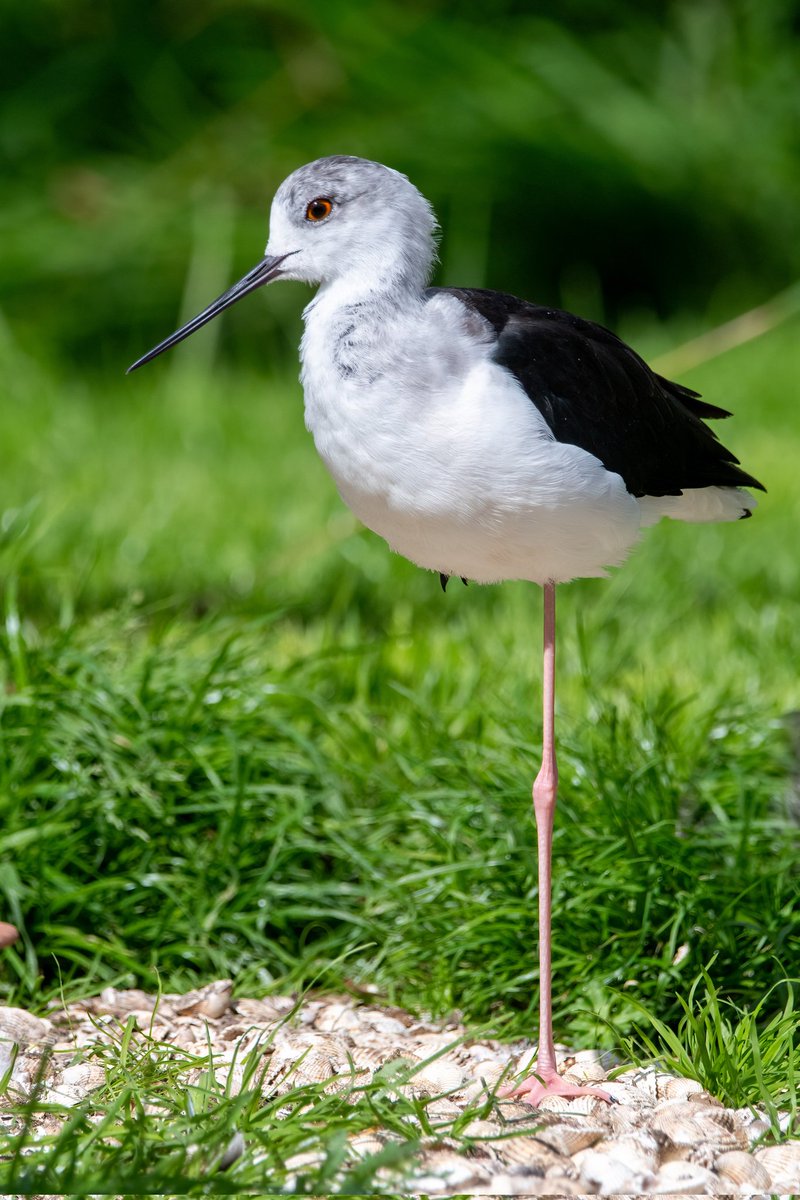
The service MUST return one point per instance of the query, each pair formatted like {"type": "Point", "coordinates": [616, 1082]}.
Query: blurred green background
{"type": "Point", "coordinates": [623, 159]}
{"type": "Point", "coordinates": [639, 164]}
{"type": "Point", "coordinates": [196, 633]}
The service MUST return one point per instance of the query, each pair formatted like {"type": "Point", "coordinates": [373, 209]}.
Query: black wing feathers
{"type": "Point", "coordinates": [595, 392]}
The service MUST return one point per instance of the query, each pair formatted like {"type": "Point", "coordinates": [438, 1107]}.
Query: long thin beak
{"type": "Point", "coordinates": [267, 270]}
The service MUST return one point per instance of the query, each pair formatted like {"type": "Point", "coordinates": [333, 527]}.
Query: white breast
{"type": "Point", "coordinates": [441, 452]}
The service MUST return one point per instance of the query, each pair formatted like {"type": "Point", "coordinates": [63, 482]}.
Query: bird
{"type": "Point", "coordinates": [482, 436]}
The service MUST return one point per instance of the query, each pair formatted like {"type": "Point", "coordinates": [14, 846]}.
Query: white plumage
{"type": "Point", "coordinates": [448, 460]}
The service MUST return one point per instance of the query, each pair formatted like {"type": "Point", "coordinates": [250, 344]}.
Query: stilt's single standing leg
{"type": "Point", "coordinates": [545, 1080]}
{"type": "Point", "coordinates": [545, 790]}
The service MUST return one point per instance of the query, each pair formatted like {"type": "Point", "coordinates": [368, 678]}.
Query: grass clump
{"type": "Point", "coordinates": [742, 1056]}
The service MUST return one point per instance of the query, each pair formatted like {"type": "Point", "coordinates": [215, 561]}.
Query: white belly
{"type": "Point", "coordinates": [466, 478]}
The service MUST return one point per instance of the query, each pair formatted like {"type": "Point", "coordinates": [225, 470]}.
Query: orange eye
{"type": "Point", "coordinates": [319, 209]}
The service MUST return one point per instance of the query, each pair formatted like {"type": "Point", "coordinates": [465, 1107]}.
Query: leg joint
{"type": "Point", "coordinates": [544, 789]}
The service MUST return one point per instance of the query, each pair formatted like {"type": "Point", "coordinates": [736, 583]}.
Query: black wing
{"type": "Point", "coordinates": [597, 393]}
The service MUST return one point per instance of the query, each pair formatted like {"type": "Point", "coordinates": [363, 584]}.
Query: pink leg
{"type": "Point", "coordinates": [544, 1080]}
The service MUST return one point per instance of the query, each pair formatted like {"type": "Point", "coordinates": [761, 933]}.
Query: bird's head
{"type": "Point", "coordinates": [336, 217]}
{"type": "Point", "coordinates": [347, 216]}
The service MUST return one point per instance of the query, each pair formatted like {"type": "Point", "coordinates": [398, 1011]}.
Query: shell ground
{"type": "Point", "coordinates": [663, 1134]}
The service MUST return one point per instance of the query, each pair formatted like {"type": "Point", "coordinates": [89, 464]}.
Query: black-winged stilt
{"type": "Point", "coordinates": [480, 435]}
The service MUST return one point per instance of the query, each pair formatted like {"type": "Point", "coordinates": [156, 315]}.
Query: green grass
{"type": "Point", "coordinates": [742, 1056]}
{"type": "Point", "coordinates": [239, 738]}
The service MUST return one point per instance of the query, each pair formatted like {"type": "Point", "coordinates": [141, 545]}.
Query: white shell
{"type": "Point", "coordinates": [485, 1075]}
{"type": "Point", "coordinates": [113, 1000]}
{"type": "Point", "coordinates": [572, 1104]}
{"type": "Point", "coordinates": [210, 1001]}
{"type": "Point", "coordinates": [783, 1164]}
{"type": "Point", "coordinates": [266, 1011]}
{"type": "Point", "coordinates": [75, 1083]}
{"type": "Point", "coordinates": [638, 1151]}
{"type": "Point", "coordinates": [337, 1017]}
{"type": "Point", "coordinates": [451, 1169]}
{"type": "Point", "coordinates": [677, 1087]}
{"type": "Point", "coordinates": [687, 1124]}
{"type": "Point", "coordinates": [590, 1071]}
{"type": "Point", "coordinates": [643, 1079]}
{"type": "Point", "coordinates": [604, 1057]}
{"type": "Point", "coordinates": [568, 1139]}
{"type": "Point", "coordinates": [608, 1174]}
{"type": "Point", "coordinates": [680, 1178]}
{"type": "Point", "coordinates": [525, 1151]}
{"type": "Point", "coordinates": [22, 1028]}
{"type": "Point", "coordinates": [438, 1076]}
{"type": "Point", "coordinates": [374, 1018]}
{"type": "Point", "coordinates": [504, 1183]}
{"type": "Point", "coordinates": [368, 1059]}
{"type": "Point", "coordinates": [743, 1169]}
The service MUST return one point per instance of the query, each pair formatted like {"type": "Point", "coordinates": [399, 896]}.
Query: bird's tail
{"type": "Point", "coordinates": [699, 504]}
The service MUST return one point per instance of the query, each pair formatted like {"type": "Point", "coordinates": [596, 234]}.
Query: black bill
{"type": "Point", "coordinates": [267, 270]}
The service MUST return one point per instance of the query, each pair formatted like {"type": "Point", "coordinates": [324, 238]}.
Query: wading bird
{"type": "Point", "coordinates": [482, 436]}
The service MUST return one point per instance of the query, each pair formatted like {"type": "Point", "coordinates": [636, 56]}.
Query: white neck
{"type": "Point", "coordinates": [373, 295]}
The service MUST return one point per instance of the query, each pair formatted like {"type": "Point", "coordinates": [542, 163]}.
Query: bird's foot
{"type": "Point", "coordinates": [543, 1083]}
